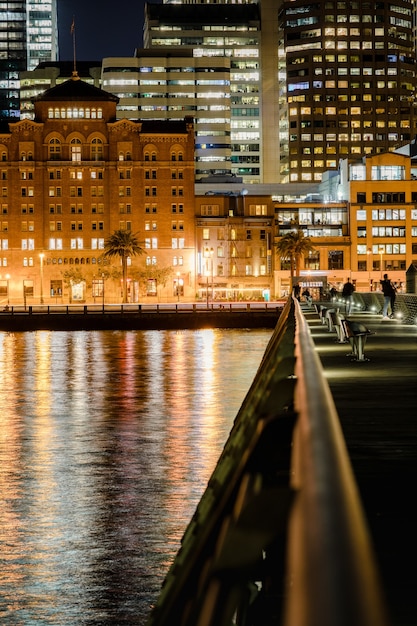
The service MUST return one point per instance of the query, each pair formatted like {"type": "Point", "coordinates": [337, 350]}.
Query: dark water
{"type": "Point", "coordinates": [107, 440]}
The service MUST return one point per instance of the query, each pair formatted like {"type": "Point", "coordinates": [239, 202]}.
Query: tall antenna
{"type": "Point", "coordinates": [72, 31]}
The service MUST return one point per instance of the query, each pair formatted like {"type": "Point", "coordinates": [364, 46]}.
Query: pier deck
{"type": "Point", "coordinates": [377, 404]}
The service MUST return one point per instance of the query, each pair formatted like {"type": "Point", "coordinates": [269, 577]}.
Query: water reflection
{"type": "Point", "coordinates": [107, 440]}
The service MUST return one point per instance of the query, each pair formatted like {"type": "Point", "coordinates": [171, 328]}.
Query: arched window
{"type": "Point", "coordinates": [96, 149]}
{"type": "Point", "coordinates": [54, 149]}
{"type": "Point", "coordinates": [176, 155]}
{"type": "Point", "coordinates": [75, 150]}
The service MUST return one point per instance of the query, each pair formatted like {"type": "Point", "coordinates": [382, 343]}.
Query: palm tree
{"type": "Point", "coordinates": [293, 246]}
{"type": "Point", "coordinates": [122, 244]}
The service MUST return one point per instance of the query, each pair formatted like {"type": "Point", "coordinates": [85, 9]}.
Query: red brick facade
{"type": "Point", "coordinates": [74, 176]}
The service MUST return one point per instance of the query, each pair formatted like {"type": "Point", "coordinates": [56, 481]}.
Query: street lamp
{"type": "Point", "coordinates": [8, 285]}
{"type": "Point", "coordinates": [370, 263]}
{"type": "Point", "coordinates": [178, 285]}
{"type": "Point", "coordinates": [102, 289]}
{"type": "Point", "coordinates": [41, 261]}
{"type": "Point", "coordinates": [209, 252]}
{"type": "Point", "coordinates": [381, 252]}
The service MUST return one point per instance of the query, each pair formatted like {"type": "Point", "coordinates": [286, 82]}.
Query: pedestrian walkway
{"type": "Point", "coordinates": [377, 404]}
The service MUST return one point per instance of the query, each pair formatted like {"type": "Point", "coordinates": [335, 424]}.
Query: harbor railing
{"type": "Point", "coordinates": [279, 536]}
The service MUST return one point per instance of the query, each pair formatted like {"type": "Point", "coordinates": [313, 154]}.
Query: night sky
{"type": "Point", "coordinates": [103, 28]}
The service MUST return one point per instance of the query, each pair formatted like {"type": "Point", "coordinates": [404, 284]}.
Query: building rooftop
{"type": "Point", "coordinates": [203, 14]}
{"type": "Point", "coordinates": [77, 90]}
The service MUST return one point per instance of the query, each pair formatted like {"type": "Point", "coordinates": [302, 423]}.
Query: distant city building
{"type": "Point", "coordinates": [279, 93]}
{"type": "Point", "coordinates": [73, 176]}
{"type": "Point", "coordinates": [364, 224]}
{"type": "Point", "coordinates": [235, 251]}
{"type": "Point", "coordinates": [164, 84]}
{"type": "Point", "coordinates": [382, 194]}
{"type": "Point", "coordinates": [212, 32]}
{"type": "Point", "coordinates": [28, 36]}
{"type": "Point", "coordinates": [50, 74]}
{"type": "Point", "coordinates": [348, 72]}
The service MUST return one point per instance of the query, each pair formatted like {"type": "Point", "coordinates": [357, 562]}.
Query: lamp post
{"type": "Point", "coordinates": [41, 286]}
{"type": "Point", "coordinates": [8, 286]}
{"type": "Point", "coordinates": [381, 252]}
{"type": "Point", "coordinates": [208, 252]}
{"type": "Point", "coordinates": [369, 253]}
{"type": "Point", "coordinates": [178, 286]}
{"type": "Point", "coordinates": [212, 274]}
{"type": "Point", "coordinates": [102, 289]}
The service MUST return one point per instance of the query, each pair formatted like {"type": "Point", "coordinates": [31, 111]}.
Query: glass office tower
{"type": "Point", "coordinates": [211, 32]}
{"type": "Point", "coordinates": [348, 80]}
{"type": "Point", "coordinates": [28, 35]}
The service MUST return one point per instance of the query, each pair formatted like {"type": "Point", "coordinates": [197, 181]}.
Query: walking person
{"type": "Point", "coordinates": [347, 295]}
{"type": "Point", "coordinates": [390, 294]}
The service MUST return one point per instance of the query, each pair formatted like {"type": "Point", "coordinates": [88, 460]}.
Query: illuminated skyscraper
{"type": "Point", "coordinates": [211, 32]}
{"type": "Point", "coordinates": [311, 83]}
{"type": "Point", "coordinates": [28, 35]}
{"type": "Point", "coordinates": [348, 79]}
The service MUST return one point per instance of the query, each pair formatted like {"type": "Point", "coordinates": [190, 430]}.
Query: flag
{"type": "Point", "coordinates": [72, 30]}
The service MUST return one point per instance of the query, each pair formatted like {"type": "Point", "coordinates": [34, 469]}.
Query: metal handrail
{"type": "Point", "coordinates": [280, 520]}
{"type": "Point", "coordinates": [331, 566]}
{"type": "Point", "coordinates": [68, 309]}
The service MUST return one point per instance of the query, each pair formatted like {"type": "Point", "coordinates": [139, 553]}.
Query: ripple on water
{"type": "Point", "coordinates": [107, 441]}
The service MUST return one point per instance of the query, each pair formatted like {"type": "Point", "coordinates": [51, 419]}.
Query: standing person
{"type": "Point", "coordinates": [390, 293]}
{"type": "Point", "coordinates": [297, 291]}
{"type": "Point", "coordinates": [307, 296]}
{"type": "Point", "coordinates": [347, 295]}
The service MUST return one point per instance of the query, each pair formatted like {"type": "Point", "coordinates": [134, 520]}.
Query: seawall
{"type": "Point", "coordinates": [85, 319]}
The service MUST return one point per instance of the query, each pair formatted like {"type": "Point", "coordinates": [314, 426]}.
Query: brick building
{"type": "Point", "coordinates": [234, 246]}
{"type": "Point", "coordinates": [73, 176]}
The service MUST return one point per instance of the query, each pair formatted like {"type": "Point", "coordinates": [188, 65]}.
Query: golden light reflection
{"type": "Point", "coordinates": [107, 441]}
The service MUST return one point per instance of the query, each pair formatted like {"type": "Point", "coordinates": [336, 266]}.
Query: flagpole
{"type": "Point", "coordinates": [73, 44]}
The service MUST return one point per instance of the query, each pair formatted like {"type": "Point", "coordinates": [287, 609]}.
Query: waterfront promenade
{"type": "Point", "coordinates": [377, 404]}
